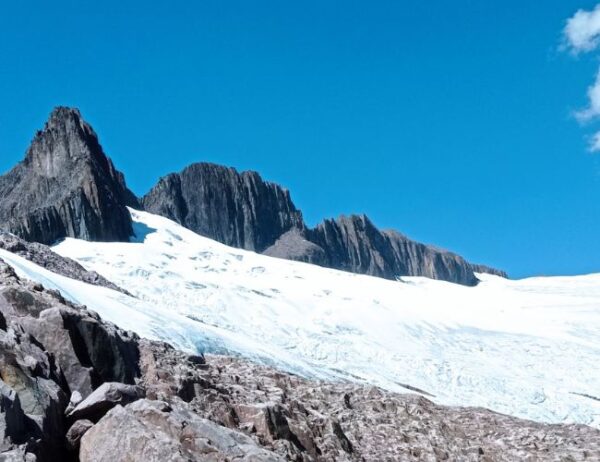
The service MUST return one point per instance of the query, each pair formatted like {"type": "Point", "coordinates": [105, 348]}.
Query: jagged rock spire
{"type": "Point", "coordinates": [66, 186]}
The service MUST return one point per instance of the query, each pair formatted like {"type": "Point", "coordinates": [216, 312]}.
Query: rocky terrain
{"type": "Point", "coordinates": [65, 186]}
{"type": "Point", "coordinates": [74, 387]}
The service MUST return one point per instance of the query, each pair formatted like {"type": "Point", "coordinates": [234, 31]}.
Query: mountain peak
{"type": "Point", "coordinates": [65, 139]}
{"type": "Point", "coordinates": [66, 186]}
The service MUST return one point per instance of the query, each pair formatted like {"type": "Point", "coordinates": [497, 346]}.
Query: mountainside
{"type": "Point", "coordinates": [488, 345]}
{"type": "Point", "coordinates": [244, 211]}
{"type": "Point", "coordinates": [77, 388]}
{"type": "Point", "coordinates": [65, 186]}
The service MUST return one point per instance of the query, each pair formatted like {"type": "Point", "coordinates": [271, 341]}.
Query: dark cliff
{"type": "Point", "coordinates": [237, 209]}
{"type": "Point", "coordinates": [354, 244]}
{"type": "Point", "coordinates": [65, 187]}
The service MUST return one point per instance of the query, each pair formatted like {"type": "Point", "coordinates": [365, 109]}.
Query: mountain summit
{"type": "Point", "coordinates": [66, 187]}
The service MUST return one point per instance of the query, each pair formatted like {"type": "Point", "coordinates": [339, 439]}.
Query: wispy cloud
{"type": "Point", "coordinates": [593, 109]}
{"type": "Point", "coordinates": [582, 35]}
{"type": "Point", "coordinates": [582, 32]}
{"type": "Point", "coordinates": [594, 143]}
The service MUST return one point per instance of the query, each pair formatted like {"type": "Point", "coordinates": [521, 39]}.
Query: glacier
{"type": "Point", "coordinates": [528, 348]}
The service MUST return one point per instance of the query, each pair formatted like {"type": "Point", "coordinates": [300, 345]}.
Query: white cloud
{"type": "Point", "coordinates": [593, 109]}
{"type": "Point", "coordinates": [594, 145]}
{"type": "Point", "coordinates": [582, 32]}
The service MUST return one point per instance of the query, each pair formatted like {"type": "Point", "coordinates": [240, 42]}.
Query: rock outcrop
{"type": "Point", "coordinates": [218, 408]}
{"type": "Point", "coordinates": [237, 209]}
{"type": "Point", "coordinates": [65, 187]}
{"type": "Point", "coordinates": [242, 210]}
{"type": "Point", "coordinates": [43, 256]}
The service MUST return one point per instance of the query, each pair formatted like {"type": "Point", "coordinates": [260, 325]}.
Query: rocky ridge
{"type": "Point", "coordinates": [242, 210]}
{"type": "Point", "coordinates": [67, 187]}
{"type": "Point", "coordinates": [43, 256]}
{"type": "Point", "coordinates": [73, 387]}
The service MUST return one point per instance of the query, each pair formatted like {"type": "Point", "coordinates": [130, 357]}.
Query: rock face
{"type": "Point", "coordinates": [66, 187]}
{"type": "Point", "coordinates": [242, 210]}
{"type": "Point", "coordinates": [50, 349]}
{"type": "Point", "coordinates": [237, 209]}
{"type": "Point", "coordinates": [354, 244]}
{"type": "Point", "coordinates": [218, 408]}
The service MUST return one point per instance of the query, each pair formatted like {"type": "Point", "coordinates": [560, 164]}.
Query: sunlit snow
{"type": "Point", "coordinates": [529, 348]}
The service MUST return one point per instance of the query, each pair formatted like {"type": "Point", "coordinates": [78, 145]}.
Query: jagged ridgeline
{"type": "Point", "coordinates": [67, 187]}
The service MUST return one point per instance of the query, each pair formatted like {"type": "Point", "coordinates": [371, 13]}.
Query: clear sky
{"type": "Point", "coordinates": [449, 121]}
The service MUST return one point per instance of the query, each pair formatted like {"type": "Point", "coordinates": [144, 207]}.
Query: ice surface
{"type": "Point", "coordinates": [529, 348]}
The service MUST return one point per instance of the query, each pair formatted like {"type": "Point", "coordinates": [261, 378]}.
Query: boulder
{"type": "Point", "coordinates": [35, 411]}
{"type": "Point", "coordinates": [76, 432]}
{"type": "Point", "coordinates": [104, 398]}
{"type": "Point", "coordinates": [154, 431]}
{"type": "Point", "coordinates": [13, 421]}
{"type": "Point", "coordinates": [75, 399]}
{"type": "Point", "coordinates": [18, 454]}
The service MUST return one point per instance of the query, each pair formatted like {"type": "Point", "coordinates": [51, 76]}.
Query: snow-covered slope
{"type": "Point", "coordinates": [530, 348]}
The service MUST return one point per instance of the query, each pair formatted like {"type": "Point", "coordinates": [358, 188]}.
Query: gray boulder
{"type": "Point", "coordinates": [13, 421]}
{"type": "Point", "coordinates": [154, 431]}
{"type": "Point", "coordinates": [76, 432]}
{"type": "Point", "coordinates": [18, 454]}
{"type": "Point", "coordinates": [104, 398]}
{"type": "Point", "coordinates": [36, 412]}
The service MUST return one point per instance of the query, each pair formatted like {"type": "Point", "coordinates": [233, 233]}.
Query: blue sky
{"type": "Point", "coordinates": [449, 121]}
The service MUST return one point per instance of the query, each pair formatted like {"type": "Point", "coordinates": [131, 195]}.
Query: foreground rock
{"type": "Point", "coordinates": [157, 431]}
{"type": "Point", "coordinates": [65, 187]}
{"type": "Point", "coordinates": [72, 387]}
{"type": "Point", "coordinates": [104, 398]}
{"type": "Point", "coordinates": [310, 420]}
